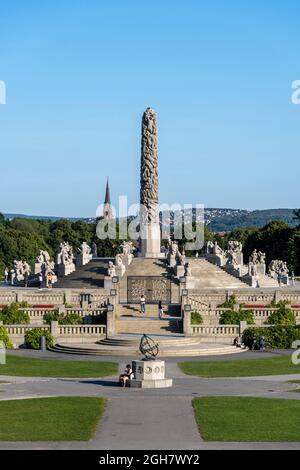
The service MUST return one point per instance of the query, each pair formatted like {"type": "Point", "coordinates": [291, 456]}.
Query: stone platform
{"type": "Point", "coordinates": [128, 346]}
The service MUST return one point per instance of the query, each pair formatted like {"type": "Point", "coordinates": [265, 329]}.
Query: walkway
{"type": "Point", "coordinates": [148, 419]}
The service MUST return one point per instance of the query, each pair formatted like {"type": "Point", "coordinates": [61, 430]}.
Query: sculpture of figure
{"type": "Point", "coordinates": [234, 249]}
{"type": "Point", "coordinates": [252, 269]}
{"type": "Point", "coordinates": [181, 258]}
{"type": "Point", "coordinates": [261, 257]}
{"type": "Point", "coordinates": [254, 257]}
{"type": "Point", "coordinates": [174, 248]}
{"type": "Point", "coordinates": [278, 266]}
{"type": "Point", "coordinates": [65, 253]}
{"type": "Point", "coordinates": [217, 249]}
{"type": "Point", "coordinates": [188, 269]}
{"type": "Point", "coordinates": [94, 250]}
{"type": "Point", "coordinates": [84, 249]}
{"type": "Point", "coordinates": [210, 247]}
{"type": "Point", "coordinates": [119, 260]}
{"type": "Point", "coordinates": [111, 270]}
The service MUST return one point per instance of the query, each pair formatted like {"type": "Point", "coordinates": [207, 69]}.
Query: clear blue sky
{"type": "Point", "coordinates": [79, 75]}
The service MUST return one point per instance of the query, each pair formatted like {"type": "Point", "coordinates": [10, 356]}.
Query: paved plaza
{"type": "Point", "coordinates": [148, 419]}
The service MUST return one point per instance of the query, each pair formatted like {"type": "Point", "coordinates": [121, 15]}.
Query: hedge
{"type": "Point", "coordinates": [277, 336]}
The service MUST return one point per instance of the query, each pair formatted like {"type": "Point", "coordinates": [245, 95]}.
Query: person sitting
{"type": "Point", "coordinates": [237, 342]}
{"type": "Point", "coordinates": [125, 378]}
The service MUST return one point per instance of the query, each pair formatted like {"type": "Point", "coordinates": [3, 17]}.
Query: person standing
{"type": "Point", "coordinates": [143, 304]}
{"type": "Point", "coordinates": [41, 280]}
{"type": "Point", "coordinates": [6, 275]}
{"type": "Point", "coordinates": [160, 310]}
{"type": "Point", "coordinates": [279, 279]}
{"type": "Point", "coordinates": [293, 278]}
{"type": "Point", "coordinates": [26, 279]}
{"type": "Point", "coordinates": [12, 276]}
{"type": "Point", "coordinates": [49, 280]}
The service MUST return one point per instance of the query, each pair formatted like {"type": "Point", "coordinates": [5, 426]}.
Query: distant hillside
{"type": "Point", "coordinates": [44, 217]}
{"type": "Point", "coordinates": [219, 220]}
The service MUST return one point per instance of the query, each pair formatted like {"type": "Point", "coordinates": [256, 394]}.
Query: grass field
{"type": "Point", "coordinates": [247, 419]}
{"type": "Point", "coordinates": [28, 367]}
{"type": "Point", "coordinates": [241, 368]}
{"type": "Point", "coordinates": [50, 419]}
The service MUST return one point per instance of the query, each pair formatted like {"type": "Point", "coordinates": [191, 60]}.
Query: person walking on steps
{"type": "Point", "coordinates": [143, 304]}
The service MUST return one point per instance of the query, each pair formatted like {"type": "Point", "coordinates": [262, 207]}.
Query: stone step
{"type": "Point", "coordinates": [184, 351]}
{"type": "Point", "coordinates": [146, 325]}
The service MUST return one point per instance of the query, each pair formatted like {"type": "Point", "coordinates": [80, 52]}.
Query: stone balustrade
{"type": "Point", "coordinates": [61, 333]}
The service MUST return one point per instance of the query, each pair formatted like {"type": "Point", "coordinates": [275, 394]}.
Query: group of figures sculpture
{"type": "Point", "coordinates": [149, 168]}
{"type": "Point", "coordinates": [121, 259]}
{"type": "Point", "coordinates": [64, 253]}
{"type": "Point", "coordinates": [21, 270]}
{"type": "Point", "coordinates": [278, 267]}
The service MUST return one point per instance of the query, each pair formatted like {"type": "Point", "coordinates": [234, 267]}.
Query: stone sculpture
{"type": "Point", "coordinates": [64, 259]}
{"type": "Point", "coordinates": [149, 200]}
{"type": "Point", "coordinates": [111, 270]}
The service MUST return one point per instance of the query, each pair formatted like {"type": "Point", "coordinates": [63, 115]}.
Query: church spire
{"type": "Point", "coordinates": [107, 210]}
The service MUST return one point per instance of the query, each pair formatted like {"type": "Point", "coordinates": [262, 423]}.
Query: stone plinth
{"type": "Point", "coordinates": [82, 259]}
{"type": "Point", "coordinates": [120, 270]}
{"type": "Point", "coordinates": [189, 282]}
{"type": "Point", "coordinates": [108, 284]}
{"type": "Point", "coordinates": [127, 259]}
{"type": "Point", "coordinates": [150, 241]}
{"type": "Point", "coordinates": [65, 269]}
{"type": "Point", "coordinates": [172, 261]}
{"type": "Point", "coordinates": [179, 271]}
{"type": "Point", "coordinates": [149, 374]}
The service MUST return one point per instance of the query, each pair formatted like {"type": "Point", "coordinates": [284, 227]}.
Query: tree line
{"type": "Point", "coordinates": [22, 238]}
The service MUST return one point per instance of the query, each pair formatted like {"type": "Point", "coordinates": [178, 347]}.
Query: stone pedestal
{"type": "Point", "coordinates": [172, 261]}
{"type": "Point", "coordinates": [179, 271]}
{"type": "Point", "coordinates": [83, 259]}
{"type": "Point", "coordinates": [108, 284]}
{"type": "Point", "coordinates": [65, 269]}
{"type": "Point", "coordinates": [127, 259]}
{"type": "Point", "coordinates": [189, 282]}
{"type": "Point", "coordinates": [120, 270]}
{"type": "Point", "coordinates": [150, 241]}
{"type": "Point", "coordinates": [149, 374]}
{"type": "Point", "coordinates": [37, 268]}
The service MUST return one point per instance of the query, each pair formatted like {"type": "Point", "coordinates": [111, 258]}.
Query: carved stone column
{"type": "Point", "coordinates": [149, 200]}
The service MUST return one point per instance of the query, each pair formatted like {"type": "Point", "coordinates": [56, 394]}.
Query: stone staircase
{"type": "Point", "coordinates": [128, 346]}
{"type": "Point", "coordinates": [208, 275]}
{"type": "Point", "coordinates": [90, 276]}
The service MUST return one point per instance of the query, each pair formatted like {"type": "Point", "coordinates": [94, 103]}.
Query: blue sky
{"type": "Point", "coordinates": [79, 75]}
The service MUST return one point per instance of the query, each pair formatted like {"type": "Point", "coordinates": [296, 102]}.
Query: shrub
{"type": "Point", "coordinates": [51, 316]}
{"type": "Point", "coordinates": [283, 316]}
{"type": "Point", "coordinates": [5, 338]}
{"type": "Point", "coordinates": [63, 318]}
{"type": "Point", "coordinates": [70, 319]}
{"type": "Point", "coordinates": [196, 318]}
{"type": "Point", "coordinates": [32, 338]}
{"type": "Point", "coordinates": [12, 315]}
{"type": "Point", "coordinates": [229, 303]}
{"type": "Point", "coordinates": [232, 317]}
{"type": "Point", "coordinates": [277, 336]}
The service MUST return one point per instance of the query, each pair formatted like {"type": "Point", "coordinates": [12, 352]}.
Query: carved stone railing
{"type": "Point", "coordinates": [217, 330]}
{"type": "Point", "coordinates": [75, 331]}
{"type": "Point", "coordinates": [61, 333]}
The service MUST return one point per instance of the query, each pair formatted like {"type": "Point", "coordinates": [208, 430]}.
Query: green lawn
{"type": "Point", "coordinates": [50, 419]}
{"type": "Point", "coordinates": [247, 419]}
{"type": "Point", "coordinates": [241, 368]}
{"type": "Point", "coordinates": [28, 367]}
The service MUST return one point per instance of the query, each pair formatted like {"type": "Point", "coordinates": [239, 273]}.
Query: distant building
{"type": "Point", "coordinates": [107, 209]}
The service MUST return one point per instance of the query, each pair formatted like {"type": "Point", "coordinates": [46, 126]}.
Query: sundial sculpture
{"type": "Point", "coordinates": [148, 347]}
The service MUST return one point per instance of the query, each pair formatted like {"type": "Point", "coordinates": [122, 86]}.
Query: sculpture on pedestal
{"type": "Point", "coordinates": [83, 255]}
{"type": "Point", "coordinates": [64, 259]}
{"type": "Point", "coordinates": [234, 253]}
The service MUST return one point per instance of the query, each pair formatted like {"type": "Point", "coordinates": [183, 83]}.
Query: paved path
{"type": "Point", "coordinates": [148, 419]}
